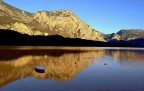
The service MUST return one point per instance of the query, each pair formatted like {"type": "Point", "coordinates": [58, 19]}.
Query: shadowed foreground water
{"type": "Point", "coordinates": [72, 69]}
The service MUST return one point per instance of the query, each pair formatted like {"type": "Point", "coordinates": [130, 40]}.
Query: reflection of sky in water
{"type": "Point", "coordinates": [72, 70]}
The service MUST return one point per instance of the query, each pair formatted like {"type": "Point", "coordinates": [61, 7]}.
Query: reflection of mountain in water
{"type": "Point", "coordinates": [125, 55]}
{"type": "Point", "coordinates": [59, 64]}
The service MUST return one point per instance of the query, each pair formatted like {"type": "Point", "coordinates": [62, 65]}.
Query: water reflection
{"type": "Point", "coordinates": [127, 57]}
{"type": "Point", "coordinates": [65, 64]}
{"type": "Point", "coordinates": [59, 65]}
{"type": "Point", "coordinates": [126, 54]}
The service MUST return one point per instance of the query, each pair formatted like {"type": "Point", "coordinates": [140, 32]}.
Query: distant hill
{"type": "Point", "coordinates": [60, 22]}
{"type": "Point", "coordinates": [126, 35]}
{"type": "Point", "coordinates": [131, 34]}
{"type": "Point", "coordinates": [133, 37]}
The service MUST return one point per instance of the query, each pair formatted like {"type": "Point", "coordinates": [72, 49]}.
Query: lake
{"type": "Point", "coordinates": [71, 69]}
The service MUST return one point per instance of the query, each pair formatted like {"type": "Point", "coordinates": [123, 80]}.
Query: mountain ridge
{"type": "Point", "coordinates": [60, 22]}
{"type": "Point", "coordinates": [126, 35]}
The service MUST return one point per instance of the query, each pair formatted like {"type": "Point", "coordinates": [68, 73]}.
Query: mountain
{"type": "Point", "coordinates": [63, 23]}
{"type": "Point", "coordinates": [60, 22]}
{"type": "Point", "coordinates": [134, 37]}
{"type": "Point", "coordinates": [126, 35]}
{"type": "Point", "coordinates": [131, 34]}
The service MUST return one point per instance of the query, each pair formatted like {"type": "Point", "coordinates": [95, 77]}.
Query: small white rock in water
{"type": "Point", "coordinates": [40, 69]}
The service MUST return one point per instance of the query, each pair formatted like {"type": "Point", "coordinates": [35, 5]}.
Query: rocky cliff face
{"type": "Point", "coordinates": [61, 22]}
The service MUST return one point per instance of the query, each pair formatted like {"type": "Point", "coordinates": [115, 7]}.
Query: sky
{"type": "Point", "coordinates": [107, 16]}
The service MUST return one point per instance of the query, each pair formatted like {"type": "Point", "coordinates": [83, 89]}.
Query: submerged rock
{"type": "Point", "coordinates": [40, 69]}
{"type": "Point", "coordinates": [105, 63]}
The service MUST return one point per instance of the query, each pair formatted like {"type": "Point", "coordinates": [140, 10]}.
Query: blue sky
{"type": "Point", "coordinates": [107, 16]}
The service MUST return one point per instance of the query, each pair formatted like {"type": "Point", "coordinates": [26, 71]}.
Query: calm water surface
{"type": "Point", "coordinates": [71, 69]}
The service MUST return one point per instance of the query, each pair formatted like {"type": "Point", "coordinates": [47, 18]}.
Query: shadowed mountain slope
{"type": "Point", "coordinates": [9, 37]}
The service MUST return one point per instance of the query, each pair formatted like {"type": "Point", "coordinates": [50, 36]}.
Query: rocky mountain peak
{"type": "Point", "coordinates": [57, 13]}
{"type": "Point", "coordinates": [60, 22]}
{"type": "Point", "coordinates": [63, 12]}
